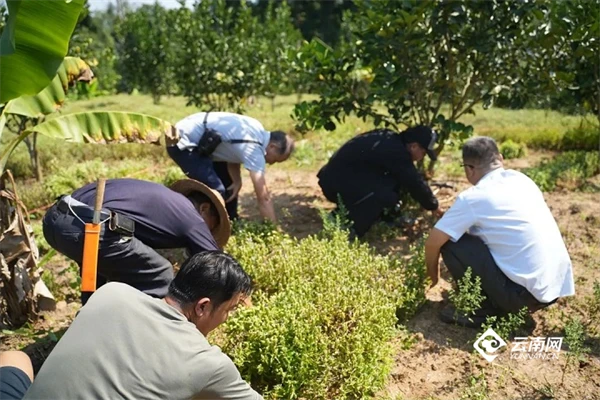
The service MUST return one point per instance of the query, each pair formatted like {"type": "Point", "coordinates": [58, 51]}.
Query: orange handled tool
{"type": "Point", "coordinates": [91, 242]}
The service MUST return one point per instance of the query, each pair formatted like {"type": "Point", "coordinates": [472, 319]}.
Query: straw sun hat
{"type": "Point", "coordinates": [222, 231]}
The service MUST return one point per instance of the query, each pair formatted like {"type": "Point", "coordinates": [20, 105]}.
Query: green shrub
{"type": "Point", "coordinates": [34, 195]}
{"type": "Point", "coordinates": [584, 137]}
{"type": "Point", "coordinates": [510, 150]}
{"type": "Point", "coordinates": [323, 318]}
{"type": "Point", "coordinates": [568, 170]}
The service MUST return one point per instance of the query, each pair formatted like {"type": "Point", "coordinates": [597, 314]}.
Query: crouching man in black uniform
{"type": "Point", "coordinates": [370, 172]}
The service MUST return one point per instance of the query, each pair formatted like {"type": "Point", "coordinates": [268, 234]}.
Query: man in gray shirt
{"type": "Point", "coordinates": [125, 344]}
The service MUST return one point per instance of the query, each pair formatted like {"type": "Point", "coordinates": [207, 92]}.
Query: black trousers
{"type": "Point", "coordinates": [214, 174]}
{"type": "Point", "coordinates": [501, 293]}
{"type": "Point", "coordinates": [365, 198]}
{"type": "Point", "coordinates": [120, 258]}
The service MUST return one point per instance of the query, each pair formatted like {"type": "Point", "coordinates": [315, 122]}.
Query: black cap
{"type": "Point", "coordinates": [424, 136]}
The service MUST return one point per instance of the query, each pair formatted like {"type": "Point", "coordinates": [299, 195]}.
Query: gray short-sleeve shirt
{"type": "Point", "coordinates": [231, 127]}
{"type": "Point", "coordinates": [127, 345]}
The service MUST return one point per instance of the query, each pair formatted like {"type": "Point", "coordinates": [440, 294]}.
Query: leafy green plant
{"type": "Point", "coordinates": [568, 170]}
{"type": "Point", "coordinates": [29, 61]}
{"type": "Point", "coordinates": [412, 295]}
{"type": "Point", "coordinates": [510, 149]}
{"type": "Point", "coordinates": [323, 315]}
{"type": "Point", "coordinates": [586, 136]}
{"type": "Point", "coordinates": [335, 221]}
{"type": "Point", "coordinates": [507, 325]}
{"type": "Point", "coordinates": [66, 180]}
{"type": "Point", "coordinates": [477, 388]}
{"type": "Point", "coordinates": [172, 175]}
{"type": "Point", "coordinates": [468, 295]}
{"type": "Point", "coordinates": [575, 339]}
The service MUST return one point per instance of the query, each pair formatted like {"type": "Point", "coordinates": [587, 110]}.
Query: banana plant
{"type": "Point", "coordinates": [34, 43]}
{"type": "Point", "coordinates": [87, 127]}
{"type": "Point", "coordinates": [34, 78]}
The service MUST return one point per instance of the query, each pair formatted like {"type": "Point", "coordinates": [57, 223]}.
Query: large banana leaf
{"type": "Point", "coordinates": [53, 96]}
{"type": "Point", "coordinates": [98, 127]}
{"type": "Point", "coordinates": [33, 44]}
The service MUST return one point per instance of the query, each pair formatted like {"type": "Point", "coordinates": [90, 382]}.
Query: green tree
{"type": "Point", "coordinates": [572, 54]}
{"type": "Point", "coordinates": [278, 41]}
{"type": "Point", "coordinates": [234, 55]}
{"type": "Point", "coordinates": [417, 62]}
{"type": "Point", "coordinates": [314, 18]}
{"type": "Point", "coordinates": [145, 50]}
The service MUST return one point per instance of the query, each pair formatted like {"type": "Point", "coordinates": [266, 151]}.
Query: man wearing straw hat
{"type": "Point", "coordinates": [138, 217]}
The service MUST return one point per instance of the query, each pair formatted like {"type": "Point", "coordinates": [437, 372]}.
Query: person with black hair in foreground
{"type": "Point", "coordinates": [139, 217]}
{"type": "Point", "coordinates": [211, 148]}
{"type": "Point", "coordinates": [126, 345]}
{"type": "Point", "coordinates": [370, 172]}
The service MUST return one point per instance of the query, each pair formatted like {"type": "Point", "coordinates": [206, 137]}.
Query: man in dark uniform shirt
{"type": "Point", "coordinates": [370, 171]}
{"type": "Point", "coordinates": [139, 216]}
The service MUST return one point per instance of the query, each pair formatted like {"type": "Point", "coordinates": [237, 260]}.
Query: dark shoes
{"type": "Point", "coordinates": [450, 315]}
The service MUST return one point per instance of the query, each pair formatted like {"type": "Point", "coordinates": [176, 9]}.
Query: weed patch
{"type": "Point", "coordinates": [568, 170]}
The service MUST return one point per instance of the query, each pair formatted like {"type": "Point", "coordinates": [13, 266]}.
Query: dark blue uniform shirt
{"type": "Point", "coordinates": [164, 219]}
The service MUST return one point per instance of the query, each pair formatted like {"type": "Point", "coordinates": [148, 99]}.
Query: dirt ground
{"type": "Point", "coordinates": [442, 363]}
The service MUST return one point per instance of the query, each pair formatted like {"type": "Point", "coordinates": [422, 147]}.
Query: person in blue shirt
{"type": "Point", "coordinates": [139, 217]}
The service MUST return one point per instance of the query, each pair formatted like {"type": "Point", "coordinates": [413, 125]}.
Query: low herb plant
{"type": "Point", "coordinates": [467, 296]}
{"type": "Point", "coordinates": [507, 325]}
{"type": "Point", "coordinates": [323, 318]}
{"type": "Point", "coordinates": [575, 339]}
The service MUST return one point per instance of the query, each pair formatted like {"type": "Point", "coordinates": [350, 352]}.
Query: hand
{"type": "Point", "coordinates": [234, 189]}
{"type": "Point", "coordinates": [438, 213]}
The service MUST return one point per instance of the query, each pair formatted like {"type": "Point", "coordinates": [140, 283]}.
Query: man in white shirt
{"type": "Point", "coordinates": [502, 228]}
{"type": "Point", "coordinates": [241, 140]}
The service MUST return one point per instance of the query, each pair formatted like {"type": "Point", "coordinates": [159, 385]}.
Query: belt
{"type": "Point", "coordinates": [118, 222]}
{"type": "Point", "coordinates": [82, 210]}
